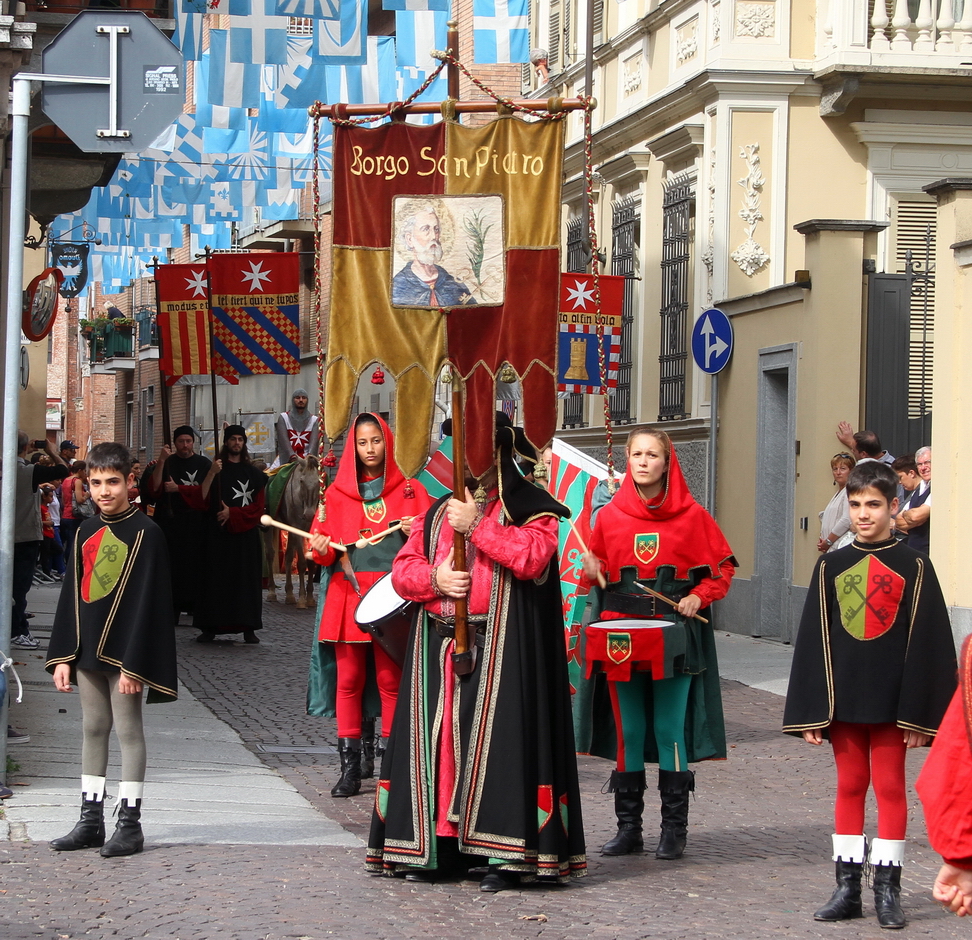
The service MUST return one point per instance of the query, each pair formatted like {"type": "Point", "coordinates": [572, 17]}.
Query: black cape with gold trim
{"type": "Point", "coordinates": [875, 644]}
{"type": "Point", "coordinates": [117, 588]}
{"type": "Point", "coordinates": [517, 797]}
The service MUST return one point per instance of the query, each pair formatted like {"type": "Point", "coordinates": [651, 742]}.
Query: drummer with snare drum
{"type": "Point", "coordinates": [369, 495]}
{"type": "Point", "coordinates": [659, 658]}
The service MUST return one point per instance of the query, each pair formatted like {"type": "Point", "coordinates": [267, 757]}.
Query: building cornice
{"type": "Point", "coordinates": [812, 226]}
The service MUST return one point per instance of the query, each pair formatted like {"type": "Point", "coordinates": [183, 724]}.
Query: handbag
{"type": "Point", "coordinates": [82, 510]}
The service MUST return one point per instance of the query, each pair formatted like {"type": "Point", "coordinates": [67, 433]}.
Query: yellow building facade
{"type": "Point", "coordinates": [776, 159]}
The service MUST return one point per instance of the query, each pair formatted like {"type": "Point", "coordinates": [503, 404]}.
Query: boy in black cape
{"type": "Point", "coordinates": [113, 635]}
{"type": "Point", "coordinates": [873, 670]}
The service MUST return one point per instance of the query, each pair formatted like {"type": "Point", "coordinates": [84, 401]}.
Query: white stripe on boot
{"type": "Point", "coordinates": [850, 848]}
{"type": "Point", "coordinates": [131, 791]}
{"type": "Point", "coordinates": [887, 852]}
{"type": "Point", "coordinates": [92, 788]}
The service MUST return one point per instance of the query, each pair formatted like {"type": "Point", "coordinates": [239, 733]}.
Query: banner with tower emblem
{"type": "Point", "coordinates": [579, 369]}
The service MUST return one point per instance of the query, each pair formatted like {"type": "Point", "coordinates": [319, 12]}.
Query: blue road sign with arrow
{"type": "Point", "coordinates": [712, 341]}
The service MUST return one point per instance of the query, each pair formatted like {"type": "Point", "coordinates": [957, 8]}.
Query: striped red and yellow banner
{"type": "Point", "coordinates": [183, 319]}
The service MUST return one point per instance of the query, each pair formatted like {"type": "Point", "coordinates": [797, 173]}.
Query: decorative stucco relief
{"type": "Point", "coordinates": [715, 21]}
{"type": "Point", "coordinates": [631, 73]}
{"type": "Point", "coordinates": [756, 20]}
{"type": "Point", "coordinates": [687, 41]}
{"type": "Point", "coordinates": [708, 255]}
{"type": "Point", "coordinates": [750, 255]}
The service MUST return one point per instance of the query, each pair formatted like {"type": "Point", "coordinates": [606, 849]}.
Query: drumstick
{"type": "Point", "coordinates": [601, 580]}
{"type": "Point", "coordinates": [378, 535]}
{"type": "Point", "coordinates": [268, 520]}
{"type": "Point", "coordinates": [667, 600]}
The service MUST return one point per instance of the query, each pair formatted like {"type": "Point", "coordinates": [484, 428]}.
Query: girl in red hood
{"type": "Point", "coordinates": [669, 710]}
{"type": "Point", "coordinates": [368, 495]}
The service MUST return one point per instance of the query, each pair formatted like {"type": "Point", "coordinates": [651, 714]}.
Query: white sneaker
{"type": "Point", "coordinates": [25, 642]}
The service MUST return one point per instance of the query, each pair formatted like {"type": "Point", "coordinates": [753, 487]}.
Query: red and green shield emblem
{"type": "Point", "coordinates": [104, 561]}
{"type": "Point", "coordinates": [619, 647]}
{"type": "Point", "coordinates": [869, 595]}
{"type": "Point", "coordinates": [375, 510]}
{"type": "Point", "coordinates": [646, 547]}
{"type": "Point", "coordinates": [545, 807]}
{"type": "Point", "coordinates": [381, 798]}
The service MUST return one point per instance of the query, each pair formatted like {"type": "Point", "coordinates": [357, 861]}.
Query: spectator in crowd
{"type": "Point", "coordinates": [915, 521]}
{"type": "Point", "coordinates": [835, 519]}
{"type": "Point", "coordinates": [68, 451]}
{"type": "Point", "coordinates": [28, 534]}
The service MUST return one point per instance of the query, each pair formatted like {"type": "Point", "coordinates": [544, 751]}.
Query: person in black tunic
{"type": "Point", "coordinates": [166, 486]}
{"type": "Point", "coordinates": [113, 635]}
{"type": "Point", "coordinates": [232, 493]}
{"type": "Point", "coordinates": [873, 669]}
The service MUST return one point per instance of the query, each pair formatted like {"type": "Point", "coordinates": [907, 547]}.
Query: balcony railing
{"type": "Point", "coordinates": [148, 328]}
{"type": "Point", "coordinates": [109, 339]}
{"type": "Point", "coordinates": [889, 32]}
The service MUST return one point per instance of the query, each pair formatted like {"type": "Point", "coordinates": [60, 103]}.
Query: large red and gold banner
{"type": "Point", "coordinates": [446, 248]}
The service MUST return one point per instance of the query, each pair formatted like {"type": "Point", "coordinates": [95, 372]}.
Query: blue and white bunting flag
{"type": "Point", "coordinates": [501, 31]}
{"type": "Point", "coordinates": [302, 81]}
{"type": "Point", "coordinates": [231, 84]}
{"type": "Point", "coordinates": [417, 34]}
{"type": "Point", "coordinates": [343, 41]}
{"type": "Point", "coordinates": [374, 81]}
{"type": "Point", "coordinates": [443, 5]}
{"type": "Point", "coordinates": [310, 9]}
{"type": "Point", "coordinates": [188, 32]}
{"type": "Point", "coordinates": [259, 36]}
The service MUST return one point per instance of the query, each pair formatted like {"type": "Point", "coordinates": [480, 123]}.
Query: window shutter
{"type": "Point", "coordinates": [553, 46]}
{"type": "Point", "coordinates": [914, 229]}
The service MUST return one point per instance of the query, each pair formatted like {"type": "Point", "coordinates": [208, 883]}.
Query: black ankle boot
{"type": "Point", "coordinates": [350, 782]}
{"type": "Point", "coordinates": [127, 839]}
{"type": "Point", "coordinates": [88, 832]}
{"type": "Point", "coordinates": [674, 787]}
{"type": "Point", "coordinates": [887, 896]}
{"type": "Point", "coordinates": [367, 748]}
{"type": "Point", "coordinates": [845, 902]}
{"type": "Point", "coordinates": [629, 807]}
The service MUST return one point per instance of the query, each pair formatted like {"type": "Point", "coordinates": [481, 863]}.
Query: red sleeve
{"type": "Point", "coordinates": [526, 550]}
{"type": "Point", "coordinates": [411, 571]}
{"type": "Point", "coordinates": [945, 788]}
{"type": "Point", "coordinates": [244, 518]}
{"type": "Point", "coordinates": [330, 556]}
{"type": "Point", "coordinates": [714, 589]}
{"type": "Point", "coordinates": [194, 497]}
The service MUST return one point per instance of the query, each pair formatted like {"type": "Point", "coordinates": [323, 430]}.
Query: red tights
{"type": "Point", "coordinates": [352, 662]}
{"type": "Point", "coordinates": [864, 753]}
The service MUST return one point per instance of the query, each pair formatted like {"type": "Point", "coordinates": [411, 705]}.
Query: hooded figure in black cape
{"type": "Point", "coordinates": [484, 764]}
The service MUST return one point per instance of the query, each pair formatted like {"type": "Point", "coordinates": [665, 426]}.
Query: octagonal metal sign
{"type": "Point", "coordinates": [144, 88]}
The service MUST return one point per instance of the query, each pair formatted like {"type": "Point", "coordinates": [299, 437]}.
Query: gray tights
{"type": "Point", "coordinates": [101, 706]}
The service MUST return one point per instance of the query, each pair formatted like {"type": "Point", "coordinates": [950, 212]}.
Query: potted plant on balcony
{"type": "Point", "coordinates": [123, 324]}
{"type": "Point", "coordinates": [86, 326]}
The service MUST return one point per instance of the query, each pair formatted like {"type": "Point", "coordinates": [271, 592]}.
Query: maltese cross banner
{"type": "Point", "coordinates": [183, 320]}
{"type": "Point", "coordinates": [255, 304]}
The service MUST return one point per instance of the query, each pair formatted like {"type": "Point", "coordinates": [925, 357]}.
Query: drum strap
{"type": "Point", "coordinates": [634, 605]}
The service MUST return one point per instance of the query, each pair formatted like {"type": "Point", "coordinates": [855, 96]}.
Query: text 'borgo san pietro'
{"type": "Point", "coordinates": [485, 160]}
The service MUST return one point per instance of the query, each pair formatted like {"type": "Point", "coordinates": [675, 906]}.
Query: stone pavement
{"type": "Point", "coordinates": [242, 840]}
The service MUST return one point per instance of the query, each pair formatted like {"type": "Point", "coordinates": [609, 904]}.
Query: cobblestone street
{"type": "Point", "coordinates": [757, 863]}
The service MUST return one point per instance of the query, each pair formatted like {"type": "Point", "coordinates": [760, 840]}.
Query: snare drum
{"type": "Point", "coordinates": [387, 617]}
{"type": "Point", "coordinates": [615, 647]}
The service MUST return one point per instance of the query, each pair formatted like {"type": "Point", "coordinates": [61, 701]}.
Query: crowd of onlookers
{"type": "Point", "coordinates": [912, 517]}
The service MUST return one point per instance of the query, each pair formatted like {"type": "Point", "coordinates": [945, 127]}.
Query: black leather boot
{"type": "Point", "coordinates": [367, 748]}
{"type": "Point", "coordinates": [629, 807]}
{"type": "Point", "coordinates": [887, 896]}
{"type": "Point", "coordinates": [350, 783]}
{"type": "Point", "coordinates": [674, 787]}
{"type": "Point", "coordinates": [127, 839]}
{"type": "Point", "coordinates": [845, 902]}
{"type": "Point", "coordinates": [88, 832]}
